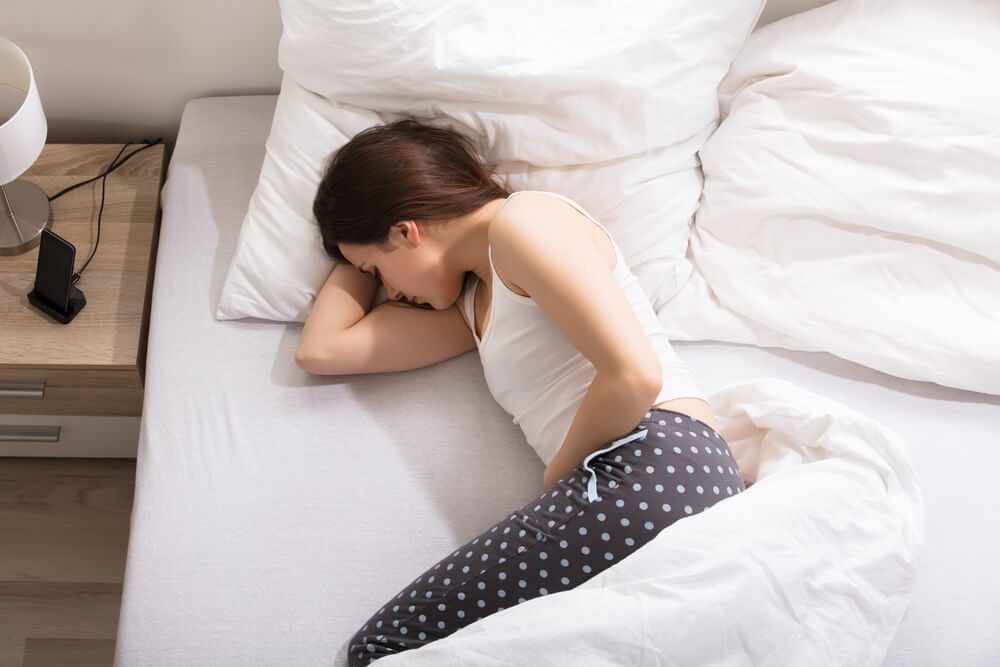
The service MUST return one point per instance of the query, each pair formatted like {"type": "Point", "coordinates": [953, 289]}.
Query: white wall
{"type": "Point", "coordinates": [121, 70]}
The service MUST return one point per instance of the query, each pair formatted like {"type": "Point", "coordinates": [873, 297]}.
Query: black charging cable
{"type": "Point", "coordinates": [104, 176]}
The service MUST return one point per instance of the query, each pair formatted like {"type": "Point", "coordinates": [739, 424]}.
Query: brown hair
{"type": "Point", "coordinates": [399, 171]}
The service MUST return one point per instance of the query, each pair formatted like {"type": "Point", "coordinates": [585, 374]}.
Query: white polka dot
{"type": "Point", "coordinates": [565, 581]}
{"type": "Point", "coordinates": [586, 568]}
{"type": "Point", "coordinates": [637, 487]}
{"type": "Point", "coordinates": [694, 450]}
{"type": "Point", "coordinates": [606, 537]}
{"type": "Point", "coordinates": [522, 583]}
{"type": "Point", "coordinates": [716, 490]}
{"type": "Point", "coordinates": [563, 543]}
{"type": "Point", "coordinates": [481, 603]}
{"type": "Point", "coordinates": [638, 452]}
{"type": "Point", "coordinates": [629, 541]}
{"type": "Point", "coordinates": [624, 521]}
{"type": "Point", "coordinates": [600, 516]}
{"type": "Point", "coordinates": [543, 591]}
{"type": "Point", "coordinates": [705, 433]}
{"type": "Point", "coordinates": [608, 555]}
{"type": "Point", "coordinates": [543, 573]}
{"type": "Point", "coordinates": [678, 420]}
{"type": "Point", "coordinates": [543, 555]}
{"type": "Point", "coordinates": [689, 468]}
{"type": "Point", "coordinates": [620, 502]}
{"type": "Point", "coordinates": [648, 415]}
{"type": "Point", "coordinates": [678, 434]}
{"type": "Point", "coordinates": [503, 575]}
{"type": "Point", "coordinates": [649, 470]}
{"type": "Point", "coordinates": [643, 505]}
{"type": "Point", "coordinates": [648, 525]}
{"type": "Point", "coordinates": [677, 450]}
{"type": "Point", "coordinates": [680, 488]}
{"type": "Point", "coordinates": [502, 593]}
{"type": "Point", "coordinates": [482, 586]}
{"type": "Point", "coordinates": [660, 434]}
{"type": "Point", "coordinates": [662, 422]}
{"type": "Point", "coordinates": [729, 490]}
{"type": "Point", "coordinates": [670, 469]}
{"type": "Point", "coordinates": [585, 550]}
{"type": "Point", "coordinates": [628, 469]}
{"type": "Point", "coordinates": [693, 434]}
{"type": "Point", "coordinates": [523, 566]}
{"type": "Point", "coordinates": [699, 489]}
{"type": "Point", "coordinates": [657, 451]}
{"type": "Point", "coordinates": [659, 488]}
{"type": "Point", "coordinates": [687, 509]}
{"type": "Point", "coordinates": [666, 507]}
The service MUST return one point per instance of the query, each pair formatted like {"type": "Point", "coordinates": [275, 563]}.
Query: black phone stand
{"type": "Point", "coordinates": [76, 303]}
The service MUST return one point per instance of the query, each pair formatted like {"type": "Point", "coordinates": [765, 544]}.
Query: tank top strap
{"type": "Point", "coordinates": [579, 208]}
{"type": "Point", "coordinates": [466, 305]}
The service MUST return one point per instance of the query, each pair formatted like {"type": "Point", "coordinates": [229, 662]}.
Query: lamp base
{"type": "Point", "coordinates": [32, 212]}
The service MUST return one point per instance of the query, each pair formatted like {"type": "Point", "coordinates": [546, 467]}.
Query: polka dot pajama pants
{"type": "Point", "coordinates": [671, 466]}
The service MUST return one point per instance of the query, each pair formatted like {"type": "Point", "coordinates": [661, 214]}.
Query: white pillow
{"type": "Point", "coordinates": [603, 104]}
{"type": "Point", "coordinates": [852, 191]}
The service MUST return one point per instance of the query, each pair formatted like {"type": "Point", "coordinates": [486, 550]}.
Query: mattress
{"type": "Point", "coordinates": [274, 511]}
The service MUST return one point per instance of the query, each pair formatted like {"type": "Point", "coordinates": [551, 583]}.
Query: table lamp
{"type": "Point", "coordinates": [24, 207]}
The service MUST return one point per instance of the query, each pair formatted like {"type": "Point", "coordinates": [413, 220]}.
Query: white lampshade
{"type": "Point", "coordinates": [24, 207]}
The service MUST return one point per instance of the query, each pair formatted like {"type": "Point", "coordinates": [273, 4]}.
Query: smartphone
{"type": "Point", "coordinates": [54, 274]}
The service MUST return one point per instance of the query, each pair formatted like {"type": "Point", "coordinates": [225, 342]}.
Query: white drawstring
{"type": "Point", "coordinates": [592, 482]}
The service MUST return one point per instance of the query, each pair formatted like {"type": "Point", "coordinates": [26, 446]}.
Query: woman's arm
{"type": "Point", "coordinates": [577, 289]}
{"type": "Point", "coordinates": [344, 299]}
{"type": "Point", "coordinates": [344, 335]}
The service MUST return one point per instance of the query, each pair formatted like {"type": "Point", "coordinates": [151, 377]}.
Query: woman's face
{"type": "Point", "coordinates": [410, 266]}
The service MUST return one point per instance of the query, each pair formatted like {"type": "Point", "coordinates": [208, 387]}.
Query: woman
{"type": "Point", "coordinates": [570, 346]}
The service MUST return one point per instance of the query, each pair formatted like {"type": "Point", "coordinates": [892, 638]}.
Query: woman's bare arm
{"type": "Point", "coordinates": [343, 335]}
{"type": "Point", "coordinates": [345, 298]}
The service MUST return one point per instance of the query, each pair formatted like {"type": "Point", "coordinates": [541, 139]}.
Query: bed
{"type": "Point", "coordinates": [275, 510]}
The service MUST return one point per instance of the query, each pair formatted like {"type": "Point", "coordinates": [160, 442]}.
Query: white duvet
{"type": "Point", "coordinates": [812, 565]}
{"type": "Point", "coordinates": [852, 192]}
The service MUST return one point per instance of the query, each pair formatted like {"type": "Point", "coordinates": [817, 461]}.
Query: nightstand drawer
{"type": "Point", "coordinates": [40, 391]}
{"type": "Point", "coordinates": [69, 436]}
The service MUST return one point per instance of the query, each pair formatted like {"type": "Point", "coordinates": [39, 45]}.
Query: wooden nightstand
{"type": "Point", "coordinates": [76, 389]}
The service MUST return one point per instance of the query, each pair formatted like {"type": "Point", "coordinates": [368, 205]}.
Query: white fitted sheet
{"type": "Point", "coordinates": [275, 511]}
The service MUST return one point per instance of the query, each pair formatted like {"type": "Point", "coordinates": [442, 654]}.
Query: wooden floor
{"type": "Point", "coordinates": [64, 527]}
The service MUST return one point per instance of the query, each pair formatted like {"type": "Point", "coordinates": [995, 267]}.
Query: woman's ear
{"type": "Point", "coordinates": [409, 232]}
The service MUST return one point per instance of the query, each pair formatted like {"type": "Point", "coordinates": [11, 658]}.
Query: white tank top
{"type": "Point", "coordinates": [536, 374]}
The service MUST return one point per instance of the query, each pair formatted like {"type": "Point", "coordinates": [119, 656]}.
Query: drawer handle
{"type": "Point", "coordinates": [22, 390]}
{"type": "Point", "coordinates": [29, 433]}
